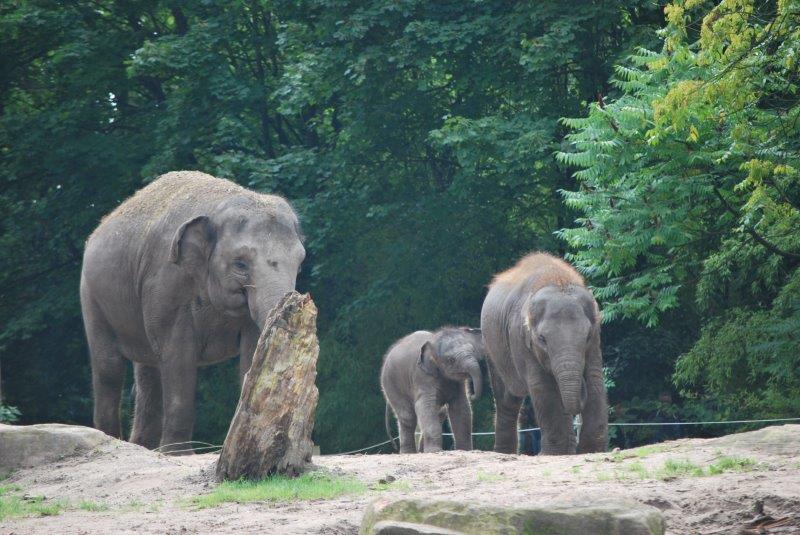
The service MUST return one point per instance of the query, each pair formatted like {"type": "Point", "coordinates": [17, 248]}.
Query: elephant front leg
{"type": "Point", "coordinates": [558, 437]}
{"type": "Point", "coordinates": [505, 415]}
{"type": "Point", "coordinates": [178, 385]}
{"type": "Point", "coordinates": [428, 414]}
{"type": "Point", "coordinates": [179, 382]}
{"type": "Point", "coordinates": [407, 427]}
{"type": "Point", "coordinates": [460, 414]}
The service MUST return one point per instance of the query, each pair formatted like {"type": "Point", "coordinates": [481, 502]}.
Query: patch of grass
{"type": "Point", "coordinates": [576, 469]}
{"type": "Point", "coordinates": [394, 485]}
{"type": "Point", "coordinates": [488, 477]}
{"type": "Point", "coordinates": [679, 468]}
{"type": "Point", "coordinates": [644, 451]}
{"type": "Point", "coordinates": [731, 464]}
{"type": "Point", "coordinates": [640, 452]}
{"type": "Point", "coordinates": [309, 486]}
{"type": "Point", "coordinates": [92, 507]}
{"type": "Point", "coordinates": [13, 505]}
{"type": "Point", "coordinates": [7, 489]}
{"type": "Point", "coordinates": [637, 469]}
{"type": "Point", "coordinates": [673, 468]}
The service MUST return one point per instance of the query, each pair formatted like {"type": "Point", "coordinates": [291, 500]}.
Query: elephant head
{"type": "Point", "coordinates": [457, 354]}
{"type": "Point", "coordinates": [561, 323]}
{"type": "Point", "coordinates": [244, 255]}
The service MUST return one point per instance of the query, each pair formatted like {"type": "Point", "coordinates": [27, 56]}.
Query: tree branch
{"type": "Point", "coordinates": [771, 247]}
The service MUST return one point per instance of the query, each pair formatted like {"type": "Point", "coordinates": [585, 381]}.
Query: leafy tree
{"type": "Point", "coordinates": [415, 138]}
{"type": "Point", "coordinates": [690, 197]}
{"type": "Point", "coordinates": [436, 126]}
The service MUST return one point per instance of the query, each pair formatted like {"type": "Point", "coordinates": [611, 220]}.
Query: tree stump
{"type": "Point", "coordinates": [271, 429]}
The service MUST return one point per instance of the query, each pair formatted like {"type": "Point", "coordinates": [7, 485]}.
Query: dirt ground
{"type": "Point", "coordinates": [146, 492]}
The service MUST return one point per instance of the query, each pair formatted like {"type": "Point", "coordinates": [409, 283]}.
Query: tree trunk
{"type": "Point", "coordinates": [271, 429]}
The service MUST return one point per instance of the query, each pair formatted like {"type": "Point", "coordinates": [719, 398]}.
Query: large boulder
{"type": "Point", "coordinates": [386, 517]}
{"type": "Point", "coordinates": [25, 446]}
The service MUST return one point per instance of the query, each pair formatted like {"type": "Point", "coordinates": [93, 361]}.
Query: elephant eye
{"type": "Point", "coordinates": [240, 265]}
{"type": "Point", "coordinates": [541, 339]}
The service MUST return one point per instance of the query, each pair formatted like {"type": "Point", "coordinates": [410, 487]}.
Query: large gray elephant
{"type": "Point", "coordinates": [541, 326]}
{"type": "Point", "coordinates": [426, 371]}
{"type": "Point", "coordinates": [180, 275]}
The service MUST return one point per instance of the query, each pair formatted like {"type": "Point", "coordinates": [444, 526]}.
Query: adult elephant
{"type": "Point", "coordinates": [541, 327]}
{"type": "Point", "coordinates": [180, 275]}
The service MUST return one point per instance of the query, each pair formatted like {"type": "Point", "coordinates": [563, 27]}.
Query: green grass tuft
{"type": "Point", "coordinates": [679, 468]}
{"type": "Point", "coordinates": [731, 464]}
{"type": "Point", "coordinates": [92, 507]}
{"type": "Point", "coordinates": [394, 485]}
{"type": "Point", "coordinates": [644, 451]}
{"type": "Point", "coordinates": [488, 477]}
{"type": "Point", "coordinates": [13, 505]}
{"type": "Point", "coordinates": [309, 486]}
{"type": "Point", "coordinates": [638, 469]}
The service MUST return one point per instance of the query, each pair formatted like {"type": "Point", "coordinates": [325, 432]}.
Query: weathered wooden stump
{"type": "Point", "coordinates": [271, 430]}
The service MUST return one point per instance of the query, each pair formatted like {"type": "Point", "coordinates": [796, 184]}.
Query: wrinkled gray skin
{"type": "Point", "coordinates": [181, 275]}
{"type": "Point", "coordinates": [424, 372]}
{"type": "Point", "coordinates": [543, 339]}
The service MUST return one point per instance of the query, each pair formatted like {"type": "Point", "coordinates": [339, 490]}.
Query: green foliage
{"type": "Point", "coordinates": [8, 414]}
{"type": "Point", "coordinates": [688, 191]}
{"type": "Point", "coordinates": [309, 486]}
{"type": "Point", "coordinates": [436, 125]}
{"type": "Point", "coordinates": [416, 139]}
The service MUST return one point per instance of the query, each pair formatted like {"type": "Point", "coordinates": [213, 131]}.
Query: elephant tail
{"type": "Point", "coordinates": [387, 421]}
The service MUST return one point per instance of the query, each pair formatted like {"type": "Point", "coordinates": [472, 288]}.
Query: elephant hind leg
{"type": "Point", "coordinates": [148, 414]}
{"type": "Point", "coordinates": [108, 374]}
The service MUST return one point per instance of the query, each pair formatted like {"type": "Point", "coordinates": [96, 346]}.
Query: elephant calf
{"type": "Point", "coordinates": [425, 371]}
{"type": "Point", "coordinates": [541, 326]}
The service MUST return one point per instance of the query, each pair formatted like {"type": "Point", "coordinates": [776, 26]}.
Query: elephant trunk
{"type": "Point", "coordinates": [571, 385]}
{"type": "Point", "coordinates": [477, 380]}
{"type": "Point", "coordinates": [261, 301]}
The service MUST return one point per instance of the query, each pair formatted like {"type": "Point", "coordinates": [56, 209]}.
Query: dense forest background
{"type": "Point", "coordinates": [427, 145]}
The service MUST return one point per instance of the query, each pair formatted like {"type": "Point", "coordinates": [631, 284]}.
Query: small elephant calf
{"type": "Point", "coordinates": [425, 371]}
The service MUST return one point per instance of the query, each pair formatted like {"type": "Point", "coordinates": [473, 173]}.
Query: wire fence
{"type": "Point", "coordinates": [611, 424]}
{"type": "Point", "coordinates": [204, 446]}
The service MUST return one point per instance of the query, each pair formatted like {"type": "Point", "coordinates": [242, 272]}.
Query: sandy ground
{"type": "Point", "coordinates": [147, 492]}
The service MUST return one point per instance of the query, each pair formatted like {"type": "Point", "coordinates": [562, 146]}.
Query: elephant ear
{"type": "Point", "coordinates": [427, 358]}
{"type": "Point", "coordinates": [191, 245]}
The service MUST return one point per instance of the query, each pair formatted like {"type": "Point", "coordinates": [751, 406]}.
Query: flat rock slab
{"type": "Point", "coordinates": [600, 518]}
{"type": "Point", "coordinates": [26, 446]}
{"type": "Point", "coordinates": [391, 527]}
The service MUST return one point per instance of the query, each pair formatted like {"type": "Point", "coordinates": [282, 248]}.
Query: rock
{"type": "Point", "coordinates": [271, 429]}
{"type": "Point", "coordinates": [774, 440]}
{"type": "Point", "coordinates": [26, 446]}
{"type": "Point", "coordinates": [598, 518]}
{"type": "Point", "coordinates": [389, 527]}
